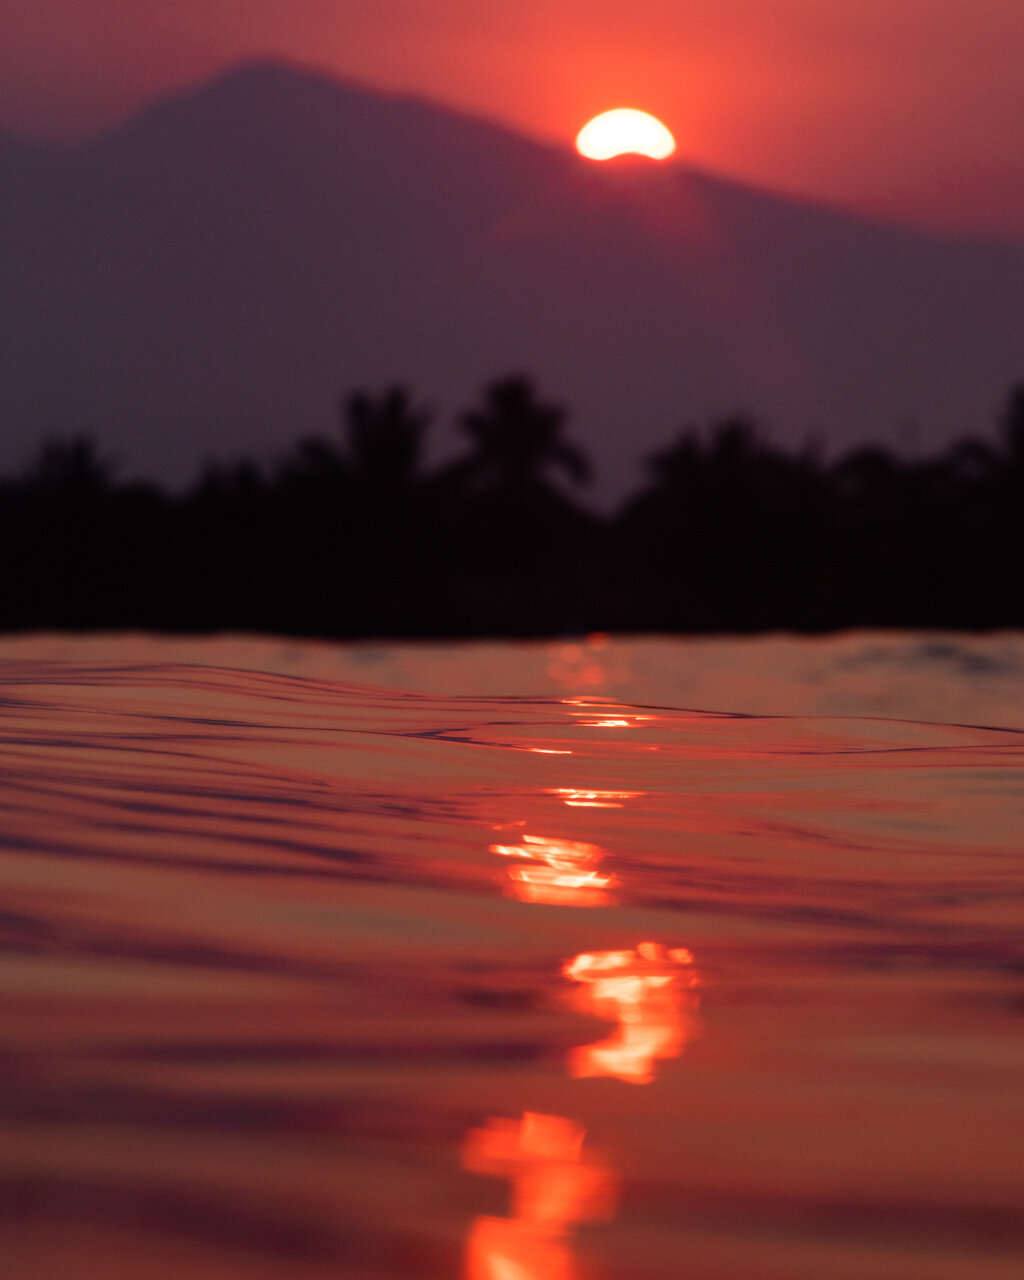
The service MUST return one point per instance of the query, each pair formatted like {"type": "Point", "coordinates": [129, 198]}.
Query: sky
{"type": "Point", "coordinates": [906, 108]}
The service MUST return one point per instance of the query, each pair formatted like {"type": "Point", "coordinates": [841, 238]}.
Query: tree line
{"type": "Point", "coordinates": [351, 535]}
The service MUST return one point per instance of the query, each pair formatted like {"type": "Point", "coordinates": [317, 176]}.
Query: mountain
{"type": "Point", "coordinates": [206, 279]}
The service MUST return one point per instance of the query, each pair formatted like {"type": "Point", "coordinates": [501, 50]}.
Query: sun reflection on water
{"type": "Point", "coordinates": [577, 799]}
{"type": "Point", "coordinates": [648, 992]}
{"type": "Point", "coordinates": [555, 1184]}
{"type": "Point", "coordinates": [558, 872]}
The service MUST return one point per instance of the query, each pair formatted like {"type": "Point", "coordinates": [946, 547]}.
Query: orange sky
{"type": "Point", "coordinates": [913, 107]}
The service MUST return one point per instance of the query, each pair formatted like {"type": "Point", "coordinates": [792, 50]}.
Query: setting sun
{"type": "Point", "coordinates": [624, 131]}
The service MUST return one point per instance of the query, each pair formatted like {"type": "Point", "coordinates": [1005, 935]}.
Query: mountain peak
{"type": "Point", "coordinates": [275, 80]}
{"type": "Point", "coordinates": [279, 98]}
{"type": "Point", "coordinates": [282, 235]}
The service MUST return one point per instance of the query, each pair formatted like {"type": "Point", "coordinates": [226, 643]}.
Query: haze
{"type": "Point", "coordinates": [912, 110]}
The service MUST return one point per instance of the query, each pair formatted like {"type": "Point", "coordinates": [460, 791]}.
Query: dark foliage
{"type": "Point", "coordinates": [353, 537]}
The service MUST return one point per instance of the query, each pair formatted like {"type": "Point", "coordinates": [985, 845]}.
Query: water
{"type": "Point", "coordinates": [304, 979]}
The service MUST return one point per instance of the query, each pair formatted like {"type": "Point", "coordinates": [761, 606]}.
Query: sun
{"type": "Point", "coordinates": [624, 131]}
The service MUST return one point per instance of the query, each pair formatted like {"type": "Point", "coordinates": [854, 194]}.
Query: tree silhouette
{"type": "Point", "coordinates": [386, 537]}
{"type": "Point", "coordinates": [72, 469]}
{"type": "Point", "coordinates": [349, 537]}
{"type": "Point", "coordinates": [385, 440]}
{"type": "Point", "coordinates": [517, 441]}
{"type": "Point", "coordinates": [729, 535]}
{"type": "Point", "coordinates": [379, 458]}
{"type": "Point", "coordinates": [1013, 424]}
{"type": "Point", "coordinates": [1007, 494]}
{"type": "Point", "coordinates": [519, 553]}
{"type": "Point", "coordinates": [314, 466]}
{"type": "Point", "coordinates": [90, 549]}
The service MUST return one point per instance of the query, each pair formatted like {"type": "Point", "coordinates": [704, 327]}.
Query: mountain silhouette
{"type": "Point", "coordinates": [207, 278]}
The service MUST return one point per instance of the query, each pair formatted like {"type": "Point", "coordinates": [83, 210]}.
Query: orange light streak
{"type": "Point", "coordinates": [649, 993]}
{"type": "Point", "coordinates": [595, 704]}
{"type": "Point", "coordinates": [577, 799]}
{"type": "Point", "coordinates": [554, 1186]}
{"type": "Point", "coordinates": [558, 872]}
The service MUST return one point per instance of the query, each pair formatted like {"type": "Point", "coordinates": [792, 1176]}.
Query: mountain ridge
{"type": "Point", "coordinates": [286, 236]}
{"type": "Point", "coordinates": [261, 72]}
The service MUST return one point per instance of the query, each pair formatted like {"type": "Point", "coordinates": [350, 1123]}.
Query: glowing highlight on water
{"type": "Point", "coordinates": [561, 872]}
{"type": "Point", "coordinates": [554, 1185]}
{"type": "Point", "coordinates": [648, 993]}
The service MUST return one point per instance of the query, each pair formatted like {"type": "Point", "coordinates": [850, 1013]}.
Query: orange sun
{"type": "Point", "coordinates": [624, 132]}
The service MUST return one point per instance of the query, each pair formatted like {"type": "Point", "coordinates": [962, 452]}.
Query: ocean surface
{"type": "Point", "coordinates": [623, 959]}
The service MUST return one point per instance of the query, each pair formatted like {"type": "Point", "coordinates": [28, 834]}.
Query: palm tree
{"type": "Point", "coordinates": [517, 440]}
{"type": "Point", "coordinates": [385, 440]}
{"type": "Point", "coordinates": [72, 469]}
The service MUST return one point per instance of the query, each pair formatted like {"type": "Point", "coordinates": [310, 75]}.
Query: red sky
{"type": "Point", "coordinates": [910, 107]}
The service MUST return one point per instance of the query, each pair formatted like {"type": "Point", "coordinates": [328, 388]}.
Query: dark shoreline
{"type": "Point", "coordinates": [352, 540]}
